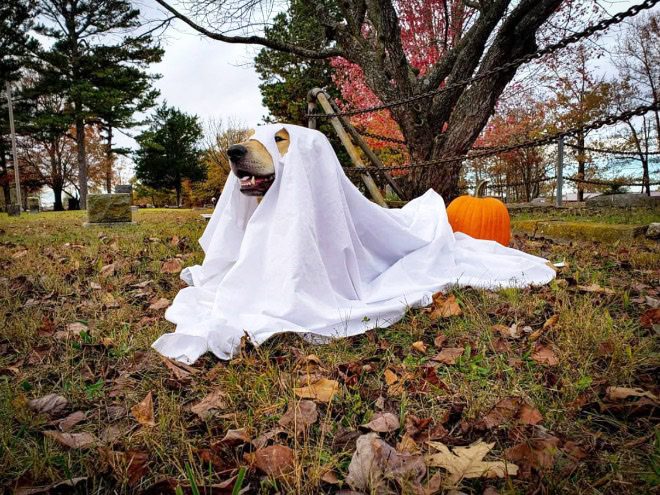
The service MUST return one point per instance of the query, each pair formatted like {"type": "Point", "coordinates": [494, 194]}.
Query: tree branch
{"type": "Point", "coordinates": [254, 40]}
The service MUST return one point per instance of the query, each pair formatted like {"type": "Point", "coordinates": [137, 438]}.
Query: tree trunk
{"type": "Point", "coordinates": [6, 188]}
{"type": "Point", "coordinates": [646, 180]}
{"type": "Point", "coordinates": [580, 160]}
{"type": "Point", "coordinates": [108, 165]}
{"type": "Point", "coordinates": [57, 192]}
{"type": "Point", "coordinates": [82, 157]}
{"type": "Point", "coordinates": [178, 194]}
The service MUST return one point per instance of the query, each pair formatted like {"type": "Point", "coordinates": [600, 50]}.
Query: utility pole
{"type": "Point", "coordinates": [560, 170]}
{"type": "Point", "coordinates": [13, 146]}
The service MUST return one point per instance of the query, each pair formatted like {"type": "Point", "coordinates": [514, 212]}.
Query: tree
{"type": "Point", "coordinates": [474, 36]}
{"type": "Point", "coordinates": [169, 151]}
{"type": "Point", "coordinates": [92, 41]}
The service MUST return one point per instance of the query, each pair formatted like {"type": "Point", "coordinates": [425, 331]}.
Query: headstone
{"type": "Point", "coordinates": [124, 189]}
{"type": "Point", "coordinates": [14, 210]}
{"type": "Point", "coordinates": [653, 230]}
{"type": "Point", "coordinates": [626, 199]}
{"type": "Point", "coordinates": [33, 204]}
{"type": "Point", "coordinates": [135, 208]}
{"type": "Point", "coordinates": [109, 209]}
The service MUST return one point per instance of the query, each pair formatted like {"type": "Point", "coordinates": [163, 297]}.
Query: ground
{"type": "Point", "coordinates": [561, 379]}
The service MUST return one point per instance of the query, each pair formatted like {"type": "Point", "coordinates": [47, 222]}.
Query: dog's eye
{"type": "Point", "coordinates": [279, 138]}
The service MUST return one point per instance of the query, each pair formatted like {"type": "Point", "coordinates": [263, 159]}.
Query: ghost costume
{"type": "Point", "coordinates": [318, 258]}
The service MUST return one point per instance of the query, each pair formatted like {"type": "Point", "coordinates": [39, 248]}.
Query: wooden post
{"type": "Point", "coordinates": [367, 151]}
{"type": "Point", "coordinates": [311, 108]}
{"type": "Point", "coordinates": [560, 171]}
{"type": "Point", "coordinates": [352, 152]}
{"type": "Point", "coordinates": [13, 146]}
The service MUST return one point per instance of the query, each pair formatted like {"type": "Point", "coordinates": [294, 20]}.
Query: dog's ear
{"type": "Point", "coordinates": [250, 132]}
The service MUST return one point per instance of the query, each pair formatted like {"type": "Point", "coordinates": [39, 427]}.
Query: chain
{"type": "Point", "coordinates": [613, 152]}
{"type": "Point", "coordinates": [383, 138]}
{"type": "Point", "coordinates": [596, 124]}
{"type": "Point", "coordinates": [517, 184]}
{"type": "Point", "coordinates": [514, 64]}
{"type": "Point", "coordinates": [609, 183]}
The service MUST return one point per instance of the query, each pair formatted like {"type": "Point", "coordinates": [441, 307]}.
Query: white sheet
{"type": "Point", "coordinates": [317, 257]}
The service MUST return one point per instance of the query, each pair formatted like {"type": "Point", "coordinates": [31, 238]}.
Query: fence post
{"type": "Point", "coordinates": [311, 108]}
{"type": "Point", "coordinates": [560, 170]}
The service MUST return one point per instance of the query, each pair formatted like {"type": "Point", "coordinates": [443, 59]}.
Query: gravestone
{"type": "Point", "coordinates": [14, 210]}
{"type": "Point", "coordinates": [33, 204]}
{"type": "Point", "coordinates": [124, 189]}
{"type": "Point", "coordinates": [626, 199]}
{"type": "Point", "coordinates": [653, 231]}
{"type": "Point", "coordinates": [109, 210]}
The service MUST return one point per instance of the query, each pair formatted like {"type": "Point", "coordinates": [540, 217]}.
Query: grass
{"type": "Point", "coordinates": [109, 368]}
{"type": "Point", "coordinates": [626, 216]}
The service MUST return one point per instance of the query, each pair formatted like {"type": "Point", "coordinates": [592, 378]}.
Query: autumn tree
{"type": "Point", "coordinates": [170, 151]}
{"type": "Point", "coordinates": [473, 38]}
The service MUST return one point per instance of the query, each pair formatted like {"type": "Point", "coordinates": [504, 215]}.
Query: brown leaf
{"type": "Point", "coordinates": [330, 477]}
{"type": "Point", "coordinates": [650, 317]}
{"type": "Point", "coordinates": [215, 401]}
{"type": "Point", "coordinates": [544, 355]}
{"type": "Point", "coordinates": [445, 307]}
{"type": "Point", "coordinates": [108, 270]}
{"type": "Point", "coordinates": [51, 404]}
{"type": "Point", "coordinates": [503, 412]}
{"type": "Point", "coordinates": [277, 460]}
{"type": "Point", "coordinates": [19, 254]}
{"type": "Point", "coordinates": [70, 421]}
{"type": "Point", "coordinates": [161, 303]}
{"type": "Point", "coordinates": [595, 288]}
{"type": "Point", "coordinates": [419, 346]}
{"type": "Point", "coordinates": [606, 348]}
{"type": "Point", "coordinates": [181, 371]}
{"type": "Point", "coordinates": [54, 488]}
{"type": "Point", "coordinates": [383, 422]}
{"type": "Point", "coordinates": [299, 417]}
{"type": "Point", "coordinates": [73, 440]}
{"type": "Point", "coordinates": [449, 355]}
{"type": "Point", "coordinates": [261, 441]}
{"type": "Point", "coordinates": [172, 266]}
{"type": "Point", "coordinates": [47, 328]}
{"type": "Point", "coordinates": [512, 332]}
{"type": "Point", "coordinates": [323, 390]}
{"type": "Point", "coordinates": [235, 437]}
{"type": "Point", "coordinates": [174, 241]}
{"type": "Point", "coordinates": [439, 341]}
{"type": "Point", "coordinates": [620, 393]}
{"type": "Point", "coordinates": [529, 415]}
{"type": "Point", "coordinates": [143, 412]}
{"type": "Point", "coordinates": [467, 462]}
{"type": "Point", "coordinates": [374, 460]}
{"type": "Point", "coordinates": [551, 322]}
{"type": "Point", "coordinates": [538, 453]}
{"type": "Point", "coordinates": [390, 377]}
{"type": "Point", "coordinates": [132, 464]}
{"type": "Point", "coordinates": [500, 345]}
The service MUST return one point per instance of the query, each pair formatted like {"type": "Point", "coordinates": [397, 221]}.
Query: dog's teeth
{"type": "Point", "coordinates": [253, 181]}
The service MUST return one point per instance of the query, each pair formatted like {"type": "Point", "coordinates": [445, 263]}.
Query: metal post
{"type": "Point", "coordinates": [13, 146]}
{"type": "Point", "coordinates": [560, 170]}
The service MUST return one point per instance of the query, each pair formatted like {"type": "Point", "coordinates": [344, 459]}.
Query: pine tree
{"type": "Point", "coordinates": [170, 151]}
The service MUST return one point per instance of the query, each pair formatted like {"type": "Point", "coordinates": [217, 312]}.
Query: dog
{"type": "Point", "coordinates": [253, 165]}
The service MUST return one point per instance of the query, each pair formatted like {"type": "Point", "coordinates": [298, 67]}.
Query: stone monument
{"type": "Point", "coordinates": [109, 210]}
{"type": "Point", "coordinates": [124, 189]}
{"type": "Point", "coordinates": [14, 210]}
{"type": "Point", "coordinates": [33, 204]}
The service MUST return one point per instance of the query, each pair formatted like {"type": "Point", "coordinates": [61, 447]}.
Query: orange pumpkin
{"type": "Point", "coordinates": [481, 218]}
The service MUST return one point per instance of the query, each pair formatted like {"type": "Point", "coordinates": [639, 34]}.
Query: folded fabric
{"type": "Point", "coordinates": [318, 258]}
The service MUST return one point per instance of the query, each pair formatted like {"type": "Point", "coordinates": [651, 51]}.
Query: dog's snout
{"type": "Point", "coordinates": [236, 152]}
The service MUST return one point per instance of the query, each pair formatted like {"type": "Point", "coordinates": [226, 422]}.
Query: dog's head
{"type": "Point", "coordinates": [253, 165]}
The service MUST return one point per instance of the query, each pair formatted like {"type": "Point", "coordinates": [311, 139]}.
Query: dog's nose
{"type": "Point", "coordinates": [236, 152]}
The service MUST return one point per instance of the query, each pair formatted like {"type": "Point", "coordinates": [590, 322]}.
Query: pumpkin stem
{"type": "Point", "coordinates": [480, 189]}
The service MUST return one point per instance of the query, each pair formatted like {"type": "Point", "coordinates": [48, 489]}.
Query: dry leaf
{"type": "Point", "coordinates": [445, 307]}
{"type": "Point", "coordinates": [144, 411]}
{"type": "Point", "coordinates": [390, 377]}
{"type": "Point", "coordinates": [300, 417]}
{"type": "Point", "coordinates": [419, 346]}
{"type": "Point", "coordinates": [76, 327]}
{"type": "Point", "coordinates": [73, 440]}
{"type": "Point", "coordinates": [529, 415]}
{"type": "Point", "coordinates": [595, 288]}
{"type": "Point", "coordinates": [620, 393]}
{"type": "Point", "coordinates": [467, 462]}
{"type": "Point", "coordinates": [215, 401]}
{"type": "Point", "coordinates": [172, 266]}
{"type": "Point", "coordinates": [55, 488]}
{"type": "Point", "coordinates": [512, 332]}
{"type": "Point", "coordinates": [19, 254]}
{"type": "Point", "coordinates": [650, 317]}
{"type": "Point", "coordinates": [448, 355]}
{"type": "Point", "coordinates": [374, 460]}
{"type": "Point", "coordinates": [235, 437]}
{"type": "Point", "coordinates": [132, 464]}
{"type": "Point", "coordinates": [439, 341]}
{"type": "Point", "coordinates": [181, 371]}
{"type": "Point", "coordinates": [330, 477]}
{"type": "Point", "coordinates": [161, 303]}
{"type": "Point", "coordinates": [551, 322]}
{"type": "Point", "coordinates": [504, 411]}
{"type": "Point", "coordinates": [537, 453]}
{"type": "Point", "coordinates": [52, 404]}
{"type": "Point", "coordinates": [70, 421]}
{"type": "Point", "coordinates": [108, 270]}
{"type": "Point", "coordinates": [383, 422]}
{"type": "Point", "coordinates": [261, 441]}
{"type": "Point", "coordinates": [277, 460]}
{"type": "Point", "coordinates": [323, 390]}
{"type": "Point", "coordinates": [544, 355]}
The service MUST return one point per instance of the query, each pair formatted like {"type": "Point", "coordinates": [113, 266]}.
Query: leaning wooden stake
{"type": "Point", "coordinates": [352, 152]}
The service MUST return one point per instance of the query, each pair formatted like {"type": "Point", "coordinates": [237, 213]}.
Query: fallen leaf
{"type": "Point", "coordinates": [19, 254]}
{"type": "Point", "coordinates": [500, 345]}
{"type": "Point", "coordinates": [51, 404]}
{"type": "Point", "coordinates": [529, 415]}
{"type": "Point", "coordinates": [512, 332]}
{"type": "Point", "coordinates": [445, 307]}
{"type": "Point", "coordinates": [439, 341]}
{"type": "Point", "coordinates": [73, 440]}
{"type": "Point", "coordinates": [76, 327]}
{"type": "Point", "coordinates": [650, 317]}
{"type": "Point", "coordinates": [108, 270]}
{"type": "Point", "coordinates": [595, 288]}
{"type": "Point", "coordinates": [47, 327]}
{"type": "Point", "coordinates": [502, 412]}
{"type": "Point", "coordinates": [299, 417]}
{"type": "Point", "coordinates": [62, 487]}
{"type": "Point", "coordinates": [467, 462]}
{"type": "Point", "coordinates": [70, 421]}
{"type": "Point", "coordinates": [109, 301]}
{"type": "Point", "coordinates": [383, 422]}
{"type": "Point", "coordinates": [419, 346]}
{"type": "Point", "coordinates": [323, 390]}
{"type": "Point", "coordinates": [551, 322]}
{"type": "Point", "coordinates": [606, 348]}
{"type": "Point", "coordinates": [538, 453]}
{"type": "Point", "coordinates": [620, 393]}
{"type": "Point", "coordinates": [172, 266]}
{"type": "Point", "coordinates": [143, 412]}
{"type": "Point", "coordinates": [181, 371]}
{"type": "Point", "coordinates": [235, 437]}
{"type": "Point", "coordinates": [330, 477]}
{"type": "Point", "coordinates": [448, 355]}
{"type": "Point", "coordinates": [390, 377]}
{"type": "Point", "coordinates": [215, 401]}
{"type": "Point", "coordinates": [374, 460]}
{"type": "Point", "coordinates": [544, 355]}
{"type": "Point", "coordinates": [161, 303]}
{"type": "Point", "coordinates": [132, 464]}
{"type": "Point", "coordinates": [261, 441]}
{"type": "Point", "coordinates": [277, 460]}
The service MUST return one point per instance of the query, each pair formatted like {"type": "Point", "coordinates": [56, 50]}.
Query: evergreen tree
{"type": "Point", "coordinates": [170, 151]}
{"type": "Point", "coordinates": [93, 43]}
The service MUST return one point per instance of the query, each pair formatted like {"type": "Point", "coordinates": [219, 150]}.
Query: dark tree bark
{"type": "Point", "coordinates": [581, 162]}
{"type": "Point", "coordinates": [108, 165]}
{"type": "Point", "coordinates": [500, 34]}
